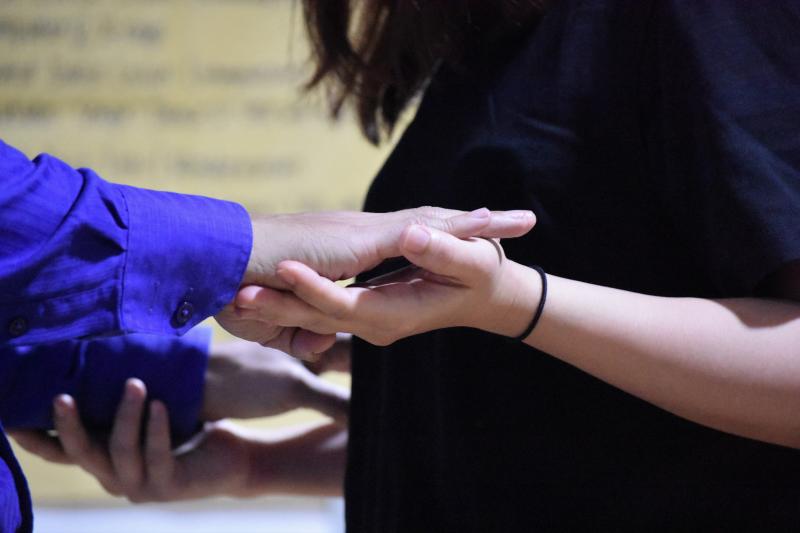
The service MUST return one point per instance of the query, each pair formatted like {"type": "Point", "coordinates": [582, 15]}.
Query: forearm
{"type": "Point", "coordinates": [306, 461]}
{"type": "Point", "coordinates": [733, 365]}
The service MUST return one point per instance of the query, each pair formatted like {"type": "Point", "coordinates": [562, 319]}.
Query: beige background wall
{"type": "Point", "coordinates": [196, 96]}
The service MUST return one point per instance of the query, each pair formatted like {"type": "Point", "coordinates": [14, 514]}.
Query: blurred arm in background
{"type": "Point", "coordinates": [242, 380]}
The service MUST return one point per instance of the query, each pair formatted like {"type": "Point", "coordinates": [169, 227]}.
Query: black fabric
{"type": "Point", "coordinates": [658, 143]}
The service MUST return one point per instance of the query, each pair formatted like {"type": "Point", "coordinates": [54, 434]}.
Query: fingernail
{"type": "Point", "coordinates": [61, 404]}
{"type": "Point", "coordinates": [417, 239]}
{"type": "Point", "coordinates": [130, 389]}
{"type": "Point", "coordinates": [287, 276]}
{"type": "Point", "coordinates": [521, 214]}
{"type": "Point", "coordinates": [480, 213]}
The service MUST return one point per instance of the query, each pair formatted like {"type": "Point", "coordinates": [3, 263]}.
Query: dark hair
{"type": "Point", "coordinates": [378, 54]}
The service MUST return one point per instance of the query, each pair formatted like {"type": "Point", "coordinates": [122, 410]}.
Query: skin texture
{"type": "Point", "coordinates": [340, 245]}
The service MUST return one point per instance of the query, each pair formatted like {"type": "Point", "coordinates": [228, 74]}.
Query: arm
{"type": "Point", "coordinates": [80, 256]}
{"type": "Point", "coordinates": [731, 364]}
{"type": "Point", "coordinates": [304, 461]}
{"type": "Point", "coordinates": [222, 459]}
{"type": "Point", "coordinates": [94, 371]}
{"type": "Point", "coordinates": [193, 379]}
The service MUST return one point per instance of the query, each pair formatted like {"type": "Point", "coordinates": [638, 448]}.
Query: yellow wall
{"type": "Point", "coordinates": [196, 96]}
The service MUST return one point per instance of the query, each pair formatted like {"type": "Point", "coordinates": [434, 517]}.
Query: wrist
{"type": "Point", "coordinates": [251, 271]}
{"type": "Point", "coordinates": [305, 460]}
{"type": "Point", "coordinates": [218, 372]}
{"type": "Point", "coordinates": [514, 301]}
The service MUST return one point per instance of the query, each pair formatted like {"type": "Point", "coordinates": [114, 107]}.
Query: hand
{"type": "Point", "coordinates": [246, 380]}
{"type": "Point", "coordinates": [339, 246]}
{"type": "Point", "coordinates": [217, 464]}
{"type": "Point", "coordinates": [454, 283]}
{"type": "Point", "coordinates": [222, 460]}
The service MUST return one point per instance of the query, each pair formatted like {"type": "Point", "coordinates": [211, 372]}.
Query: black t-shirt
{"type": "Point", "coordinates": [658, 143]}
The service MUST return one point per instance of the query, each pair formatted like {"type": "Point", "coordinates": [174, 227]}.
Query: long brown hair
{"type": "Point", "coordinates": [378, 54]}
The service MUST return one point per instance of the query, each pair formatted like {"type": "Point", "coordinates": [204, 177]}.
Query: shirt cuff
{"type": "Point", "coordinates": [173, 370]}
{"type": "Point", "coordinates": [94, 373]}
{"type": "Point", "coordinates": [186, 257]}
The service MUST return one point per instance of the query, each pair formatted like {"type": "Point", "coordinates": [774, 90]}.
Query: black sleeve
{"type": "Point", "coordinates": [721, 114]}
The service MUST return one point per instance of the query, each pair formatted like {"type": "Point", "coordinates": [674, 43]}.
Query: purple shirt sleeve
{"type": "Point", "coordinates": [82, 257]}
{"type": "Point", "coordinates": [94, 372]}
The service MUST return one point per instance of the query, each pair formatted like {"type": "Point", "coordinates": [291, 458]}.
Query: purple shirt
{"type": "Point", "coordinates": [82, 258]}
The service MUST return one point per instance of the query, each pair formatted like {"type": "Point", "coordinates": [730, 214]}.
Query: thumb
{"type": "Point", "coordinates": [440, 253]}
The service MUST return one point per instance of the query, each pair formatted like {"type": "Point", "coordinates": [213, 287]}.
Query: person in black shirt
{"type": "Point", "coordinates": [658, 143]}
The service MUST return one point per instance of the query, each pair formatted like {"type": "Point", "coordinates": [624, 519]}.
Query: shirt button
{"type": "Point", "coordinates": [17, 327]}
{"type": "Point", "coordinates": [184, 313]}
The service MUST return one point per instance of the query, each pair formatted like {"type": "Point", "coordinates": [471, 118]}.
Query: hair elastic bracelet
{"type": "Point", "coordinates": [539, 309]}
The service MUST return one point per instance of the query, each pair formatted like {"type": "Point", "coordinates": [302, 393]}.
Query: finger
{"type": "Point", "coordinates": [334, 301]}
{"type": "Point", "coordinates": [41, 444]}
{"type": "Point", "coordinates": [126, 455]}
{"type": "Point", "coordinates": [336, 359]}
{"type": "Point", "coordinates": [300, 343]}
{"type": "Point", "coordinates": [158, 453]}
{"type": "Point", "coordinates": [309, 346]}
{"type": "Point", "coordinates": [77, 445]}
{"type": "Point", "coordinates": [252, 330]}
{"type": "Point", "coordinates": [442, 254]}
{"type": "Point", "coordinates": [480, 222]}
{"type": "Point", "coordinates": [508, 224]}
{"type": "Point", "coordinates": [277, 307]}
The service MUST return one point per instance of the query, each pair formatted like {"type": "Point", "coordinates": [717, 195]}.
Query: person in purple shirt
{"type": "Point", "coordinates": [83, 260]}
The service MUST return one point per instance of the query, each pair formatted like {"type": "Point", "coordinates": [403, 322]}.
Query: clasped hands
{"type": "Point", "coordinates": [289, 300]}
{"type": "Point", "coordinates": [289, 303]}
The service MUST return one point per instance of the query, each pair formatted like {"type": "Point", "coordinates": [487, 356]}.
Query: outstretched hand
{"type": "Point", "coordinates": [339, 246]}
{"type": "Point", "coordinates": [453, 282]}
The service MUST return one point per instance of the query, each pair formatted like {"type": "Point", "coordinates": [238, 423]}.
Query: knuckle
{"type": "Point", "coordinates": [427, 211]}
{"type": "Point", "coordinates": [425, 216]}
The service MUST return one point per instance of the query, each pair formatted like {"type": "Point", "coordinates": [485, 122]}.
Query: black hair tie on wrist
{"type": "Point", "coordinates": [539, 309]}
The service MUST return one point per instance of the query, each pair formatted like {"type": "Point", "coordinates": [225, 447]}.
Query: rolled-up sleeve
{"type": "Point", "coordinates": [81, 257]}
{"type": "Point", "coordinates": [94, 372]}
